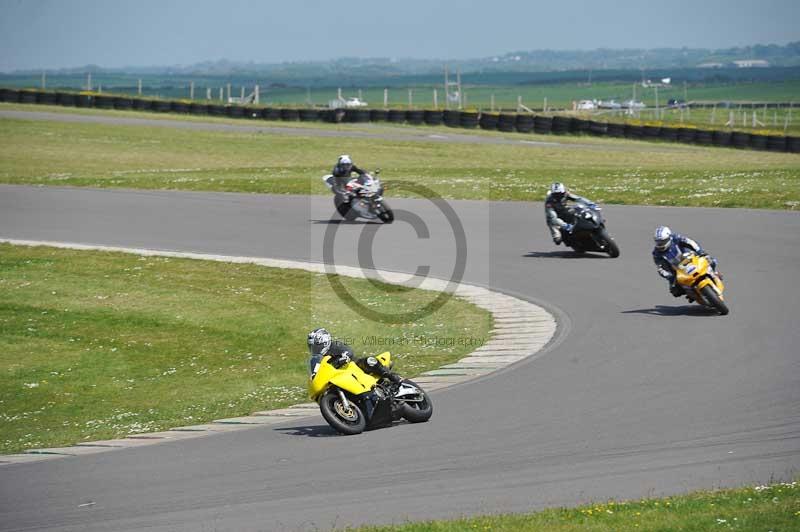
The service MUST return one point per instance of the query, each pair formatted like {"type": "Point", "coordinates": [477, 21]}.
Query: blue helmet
{"type": "Point", "coordinates": [662, 237]}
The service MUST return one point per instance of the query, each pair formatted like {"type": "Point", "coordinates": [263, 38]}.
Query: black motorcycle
{"type": "Point", "coordinates": [589, 231]}
{"type": "Point", "coordinates": [362, 198]}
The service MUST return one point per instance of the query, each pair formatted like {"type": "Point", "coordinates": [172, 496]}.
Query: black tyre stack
{"type": "Point", "coordinates": [123, 103]}
{"type": "Point", "coordinates": [9, 95]}
{"type": "Point", "coordinates": [758, 142]}
{"type": "Point", "coordinates": [634, 132]}
{"type": "Point", "coordinates": [162, 106]}
{"type": "Point", "coordinates": [215, 109]}
{"type": "Point", "coordinates": [198, 108]}
{"type": "Point", "coordinates": [740, 139]}
{"type": "Point", "coordinates": [704, 137]}
{"type": "Point", "coordinates": [434, 117]}
{"type": "Point", "coordinates": [598, 128]}
{"type": "Point", "coordinates": [524, 123]}
{"type": "Point", "coordinates": [451, 118]}
{"type": "Point", "coordinates": [235, 111]}
{"type": "Point", "coordinates": [542, 125]}
{"type": "Point", "coordinates": [776, 143]}
{"type": "Point", "coordinates": [615, 130]}
{"type": "Point", "coordinates": [488, 121]}
{"type": "Point", "coordinates": [561, 125]}
{"type": "Point", "coordinates": [397, 116]}
{"type": "Point", "coordinates": [579, 126]}
{"type": "Point", "coordinates": [46, 98]}
{"type": "Point", "coordinates": [271, 113]}
{"type": "Point", "coordinates": [65, 98]}
{"type": "Point", "coordinates": [669, 133]}
{"type": "Point", "coordinates": [506, 122]}
{"type": "Point", "coordinates": [651, 132]}
{"type": "Point", "coordinates": [793, 144]}
{"type": "Point", "coordinates": [378, 115]}
{"type": "Point", "coordinates": [27, 96]}
{"type": "Point", "coordinates": [309, 115]}
{"type": "Point", "coordinates": [103, 102]}
{"type": "Point", "coordinates": [356, 115]}
{"type": "Point", "coordinates": [142, 105]}
{"type": "Point", "coordinates": [290, 115]}
{"type": "Point", "coordinates": [415, 117]}
{"type": "Point", "coordinates": [721, 138]}
{"type": "Point", "coordinates": [469, 119]}
{"type": "Point", "coordinates": [686, 134]}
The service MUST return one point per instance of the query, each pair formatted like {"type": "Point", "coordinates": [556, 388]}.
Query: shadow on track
{"type": "Point", "coordinates": [563, 255]}
{"type": "Point", "coordinates": [346, 222]}
{"type": "Point", "coordinates": [311, 431]}
{"type": "Point", "coordinates": [664, 310]}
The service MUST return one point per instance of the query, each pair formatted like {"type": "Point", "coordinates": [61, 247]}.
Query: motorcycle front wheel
{"type": "Point", "coordinates": [386, 214]}
{"type": "Point", "coordinates": [417, 412]}
{"type": "Point", "coordinates": [347, 420]}
{"type": "Point", "coordinates": [711, 297]}
{"type": "Point", "coordinates": [611, 246]}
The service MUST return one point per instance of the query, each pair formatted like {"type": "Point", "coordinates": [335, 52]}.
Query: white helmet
{"type": "Point", "coordinates": [345, 160]}
{"type": "Point", "coordinates": [319, 341]}
{"type": "Point", "coordinates": [662, 237]}
{"type": "Point", "coordinates": [558, 190]}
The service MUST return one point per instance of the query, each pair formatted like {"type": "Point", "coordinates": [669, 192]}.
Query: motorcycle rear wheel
{"type": "Point", "coordinates": [417, 412]}
{"type": "Point", "coordinates": [711, 297]}
{"type": "Point", "coordinates": [349, 421]}
{"type": "Point", "coordinates": [611, 246]}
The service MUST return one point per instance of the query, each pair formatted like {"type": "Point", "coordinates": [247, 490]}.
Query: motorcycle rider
{"type": "Point", "coordinates": [342, 173]}
{"type": "Point", "coordinates": [556, 210]}
{"type": "Point", "coordinates": [320, 342]}
{"type": "Point", "coordinates": [665, 239]}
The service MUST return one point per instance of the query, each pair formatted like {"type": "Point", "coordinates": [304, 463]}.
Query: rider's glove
{"type": "Point", "coordinates": [568, 228]}
{"type": "Point", "coordinates": [343, 360]}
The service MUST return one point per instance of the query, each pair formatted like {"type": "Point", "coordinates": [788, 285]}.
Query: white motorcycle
{"type": "Point", "coordinates": [361, 198]}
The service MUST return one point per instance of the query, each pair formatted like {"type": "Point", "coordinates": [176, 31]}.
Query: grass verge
{"type": "Point", "coordinates": [97, 345]}
{"type": "Point", "coordinates": [621, 171]}
{"type": "Point", "coordinates": [761, 508]}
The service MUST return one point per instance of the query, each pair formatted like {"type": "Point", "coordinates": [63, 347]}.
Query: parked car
{"type": "Point", "coordinates": [676, 104]}
{"type": "Point", "coordinates": [632, 104]}
{"type": "Point", "coordinates": [586, 105]}
{"type": "Point", "coordinates": [355, 102]}
{"type": "Point", "coordinates": [609, 104]}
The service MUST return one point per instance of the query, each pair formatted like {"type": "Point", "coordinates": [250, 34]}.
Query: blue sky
{"type": "Point", "coordinates": [38, 34]}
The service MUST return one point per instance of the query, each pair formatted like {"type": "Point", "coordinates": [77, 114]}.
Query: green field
{"type": "Point", "coordinates": [98, 345]}
{"type": "Point", "coordinates": [774, 507]}
{"type": "Point", "coordinates": [607, 170]}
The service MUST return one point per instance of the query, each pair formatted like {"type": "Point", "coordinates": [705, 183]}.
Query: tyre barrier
{"type": "Point", "coordinates": [776, 143]}
{"type": "Point", "coordinates": [122, 103]}
{"type": "Point", "coordinates": [634, 132]}
{"type": "Point", "coordinates": [216, 110]}
{"type": "Point", "coordinates": [488, 121]}
{"type": "Point", "coordinates": [198, 108]}
{"type": "Point", "coordinates": [615, 130]}
{"type": "Point", "coordinates": [27, 96]}
{"type": "Point", "coordinates": [542, 125]}
{"type": "Point", "coordinates": [451, 118]}
{"type": "Point", "coordinates": [309, 115]}
{"type": "Point", "coordinates": [669, 134]}
{"type": "Point", "coordinates": [271, 113]}
{"type": "Point", "coordinates": [560, 125]}
{"type": "Point", "coordinates": [434, 117]}
{"type": "Point", "coordinates": [686, 134]}
{"type": "Point", "coordinates": [65, 98]}
{"type": "Point", "coordinates": [598, 128]}
{"type": "Point", "coordinates": [9, 95]}
{"type": "Point", "coordinates": [468, 119]}
{"type": "Point", "coordinates": [291, 115]}
{"type": "Point", "coordinates": [142, 105]}
{"type": "Point", "coordinates": [506, 122]}
{"type": "Point", "coordinates": [758, 142]}
{"type": "Point", "coordinates": [162, 106]}
{"type": "Point", "coordinates": [397, 116]}
{"type": "Point", "coordinates": [651, 132]}
{"type": "Point", "coordinates": [415, 117]}
{"type": "Point", "coordinates": [356, 115]}
{"type": "Point", "coordinates": [704, 137]}
{"type": "Point", "coordinates": [740, 139]}
{"type": "Point", "coordinates": [104, 102]}
{"type": "Point", "coordinates": [721, 138]}
{"type": "Point", "coordinates": [378, 115]}
{"type": "Point", "coordinates": [524, 123]}
{"type": "Point", "coordinates": [46, 98]}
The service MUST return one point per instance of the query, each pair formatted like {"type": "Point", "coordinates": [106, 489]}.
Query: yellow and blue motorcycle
{"type": "Point", "coordinates": [699, 281]}
{"type": "Point", "coordinates": [352, 400]}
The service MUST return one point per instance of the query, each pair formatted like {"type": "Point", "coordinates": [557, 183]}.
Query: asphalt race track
{"type": "Point", "coordinates": [638, 395]}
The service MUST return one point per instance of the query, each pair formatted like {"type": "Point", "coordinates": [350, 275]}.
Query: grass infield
{"type": "Point", "coordinates": [608, 171]}
{"type": "Point", "coordinates": [97, 345]}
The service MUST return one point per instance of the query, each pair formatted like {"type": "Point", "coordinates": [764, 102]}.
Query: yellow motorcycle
{"type": "Point", "coordinates": [352, 400]}
{"type": "Point", "coordinates": [699, 281]}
